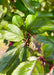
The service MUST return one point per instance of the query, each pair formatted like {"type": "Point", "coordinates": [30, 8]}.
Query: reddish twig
{"type": "Point", "coordinates": [43, 59]}
{"type": "Point", "coordinates": [50, 58]}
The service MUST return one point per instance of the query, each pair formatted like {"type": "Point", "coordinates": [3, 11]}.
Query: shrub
{"type": "Point", "coordinates": [27, 25]}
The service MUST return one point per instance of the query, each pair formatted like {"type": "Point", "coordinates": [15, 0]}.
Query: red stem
{"type": "Point", "coordinates": [43, 59]}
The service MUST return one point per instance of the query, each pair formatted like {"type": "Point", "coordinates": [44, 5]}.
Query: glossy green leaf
{"type": "Point", "coordinates": [10, 58]}
{"type": "Point", "coordinates": [12, 33]}
{"type": "Point", "coordinates": [14, 29]}
{"type": "Point", "coordinates": [47, 50]}
{"type": "Point", "coordinates": [7, 60]}
{"type": "Point", "coordinates": [24, 68]}
{"type": "Point", "coordinates": [35, 71]}
{"type": "Point", "coordinates": [33, 66]}
{"type": "Point", "coordinates": [29, 20]}
{"type": "Point", "coordinates": [17, 20]}
{"type": "Point", "coordinates": [14, 65]}
{"type": "Point", "coordinates": [38, 69]}
{"type": "Point", "coordinates": [11, 36]}
{"type": "Point", "coordinates": [23, 53]}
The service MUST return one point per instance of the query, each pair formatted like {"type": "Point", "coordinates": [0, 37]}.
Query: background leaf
{"type": "Point", "coordinates": [41, 25]}
{"type": "Point", "coordinates": [20, 4]}
{"type": "Point", "coordinates": [1, 1]}
{"type": "Point", "coordinates": [31, 5]}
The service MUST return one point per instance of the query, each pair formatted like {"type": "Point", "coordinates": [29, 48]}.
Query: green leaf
{"type": "Point", "coordinates": [31, 67]}
{"type": "Point", "coordinates": [35, 71]}
{"type": "Point", "coordinates": [2, 74]}
{"type": "Point", "coordinates": [11, 36]}
{"type": "Point", "coordinates": [22, 57]}
{"type": "Point", "coordinates": [29, 20]}
{"type": "Point", "coordinates": [3, 24]}
{"type": "Point", "coordinates": [41, 25]}
{"type": "Point", "coordinates": [20, 4]}
{"type": "Point", "coordinates": [29, 54]}
{"type": "Point", "coordinates": [44, 39]}
{"type": "Point", "coordinates": [51, 38]}
{"type": "Point", "coordinates": [10, 58]}
{"type": "Point", "coordinates": [17, 20]}
{"type": "Point", "coordinates": [12, 33]}
{"type": "Point", "coordinates": [24, 68]}
{"type": "Point", "coordinates": [1, 2]}
{"type": "Point", "coordinates": [31, 5]}
{"type": "Point", "coordinates": [40, 67]}
{"type": "Point", "coordinates": [7, 60]}
{"type": "Point", "coordinates": [37, 43]}
{"type": "Point", "coordinates": [51, 71]}
{"type": "Point", "coordinates": [47, 50]}
{"type": "Point", "coordinates": [46, 68]}
{"type": "Point", "coordinates": [14, 65]}
{"type": "Point", "coordinates": [52, 55]}
{"type": "Point", "coordinates": [36, 3]}
{"type": "Point", "coordinates": [45, 14]}
{"type": "Point", "coordinates": [23, 53]}
{"type": "Point", "coordinates": [14, 29]}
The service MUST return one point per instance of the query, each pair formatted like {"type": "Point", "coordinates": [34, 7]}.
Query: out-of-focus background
{"type": "Point", "coordinates": [3, 48]}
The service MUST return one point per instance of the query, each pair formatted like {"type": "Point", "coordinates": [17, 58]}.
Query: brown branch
{"type": "Point", "coordinates": [43, 59]}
